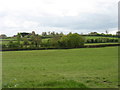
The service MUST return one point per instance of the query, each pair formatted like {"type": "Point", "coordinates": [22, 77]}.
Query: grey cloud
{"type": "Point", "coordinates": [84, 21]}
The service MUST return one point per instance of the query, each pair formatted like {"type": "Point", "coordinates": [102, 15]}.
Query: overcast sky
{"type": "Point", "coordinates": [81, 16]}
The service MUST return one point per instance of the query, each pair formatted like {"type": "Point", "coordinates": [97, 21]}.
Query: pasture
{"type": "Point", "coordinates": [65, 68]}
{"type": "Point", "coordinates": [95, 37]}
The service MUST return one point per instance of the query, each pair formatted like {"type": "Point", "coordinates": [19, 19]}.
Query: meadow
{"type": "Point", "coordinates": [94, 37]}
{"type": "Point", "coordinates": [64, 68]}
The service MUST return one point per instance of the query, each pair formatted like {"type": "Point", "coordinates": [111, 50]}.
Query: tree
{"type": "Point", "coordinates": [72, 41]}
{"type": "Point", "coordinates": [25, 41]}
{"type": "Point", "coordinates": [118, 33]}
{"type": "Point", "coordinates": [44, 33]}
{"type": "Point", "coordinates": [93, 33]}
{"type": "Point", "coordinates": [18, 38]}
{"type": "Point", "coordinates": [36, 40]}
{"type": "Point", "coordinates": [57, 34]}
{"type": "Point", "coordinates": [63, 42]}
{"type": "Point", "coordinates": [54, 41]}
{"type": "Point", "coordinates": [49, 33]}
{"type": "Point", "coordinates": [12, 44]}
{"type": "Point", "coordinates": [33, 33]}
{"type": "Point", "coordinates": [61, 34]}
{"type": "Point", "coordinates": [53, 33]}
{"type": "Point", "coordinates": [106, 31]}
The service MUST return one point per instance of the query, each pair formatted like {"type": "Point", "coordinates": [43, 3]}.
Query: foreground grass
{"type": "Point", "coordinates": [68, 68]}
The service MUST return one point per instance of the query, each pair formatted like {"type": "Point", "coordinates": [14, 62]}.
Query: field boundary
{"type": "Point", "coordinates": [85, 46]}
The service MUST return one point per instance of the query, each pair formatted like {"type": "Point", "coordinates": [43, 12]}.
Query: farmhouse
{"type": "Point", "coordinates": [3, 36]}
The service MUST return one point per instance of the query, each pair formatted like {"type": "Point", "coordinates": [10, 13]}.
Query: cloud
{"type": "Point", "coordinates": [57, 15]}
{"type": "Point", "coordinates": [113, 31]}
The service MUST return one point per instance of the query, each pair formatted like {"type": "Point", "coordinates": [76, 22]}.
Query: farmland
{"type": "Point", "coordinates": [6, 41]}
{"type": "Point", "coordinates": [65, 68]}
{"type": "Point", "coordinates": [94, 37]}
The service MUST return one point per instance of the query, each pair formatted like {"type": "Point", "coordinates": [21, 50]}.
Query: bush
{"type": "Point", "coordinates": [3, 46]}
{"type": "Point", "coordinates": [101, 40]}
{"type": "Point", "coordinates": [46, 44]}
{"type": "Point", "coordinates": [12, 44]}
{"type": "Point", "coordinates": [54, 42]}
{"type": "Point", "coordinates": [71, 41]}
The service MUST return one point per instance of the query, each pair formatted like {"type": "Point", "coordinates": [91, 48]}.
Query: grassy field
{"type": "Point", "coordinates": [65, 68]}
{"type": "Point", "coordinates": [99, 43]}
{"type": "Point", "coordinates": [95, 37]}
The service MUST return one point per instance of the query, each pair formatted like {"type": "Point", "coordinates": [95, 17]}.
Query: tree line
{"type": "Point", "coordinates": [53, 40]}
{"type": "Point", "coordinates": [35, 41]}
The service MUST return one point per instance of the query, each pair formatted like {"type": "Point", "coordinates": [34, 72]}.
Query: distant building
{"type": "Point", "coordinates": [93, 33]}
{"type": "Point", "coordinates": [3, 36]}
{"type": "Point", "coordinates": [23, 34]}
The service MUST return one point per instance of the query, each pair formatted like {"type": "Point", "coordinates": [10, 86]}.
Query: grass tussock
{"type": "Point", "coordinates": [47, 84]}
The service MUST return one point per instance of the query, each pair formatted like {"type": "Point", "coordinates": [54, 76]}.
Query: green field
{"type": "Point", "coordinates": [65, 68]}
{"type": "Point", "coordinates": [99, 43]}
{"type": "Point", "coordinates": [95, 37]}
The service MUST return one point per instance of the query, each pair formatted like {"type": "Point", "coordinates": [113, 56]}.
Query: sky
{"type": "Point", "coordinates": [81, 16]}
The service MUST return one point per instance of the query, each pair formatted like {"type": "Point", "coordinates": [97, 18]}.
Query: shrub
{"type": "Point", "coordinates": [54, 42]}
{"type": "Point", "coordinates": [12, 44]}
{"type": "Point", "coordinates": [71, 41]}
